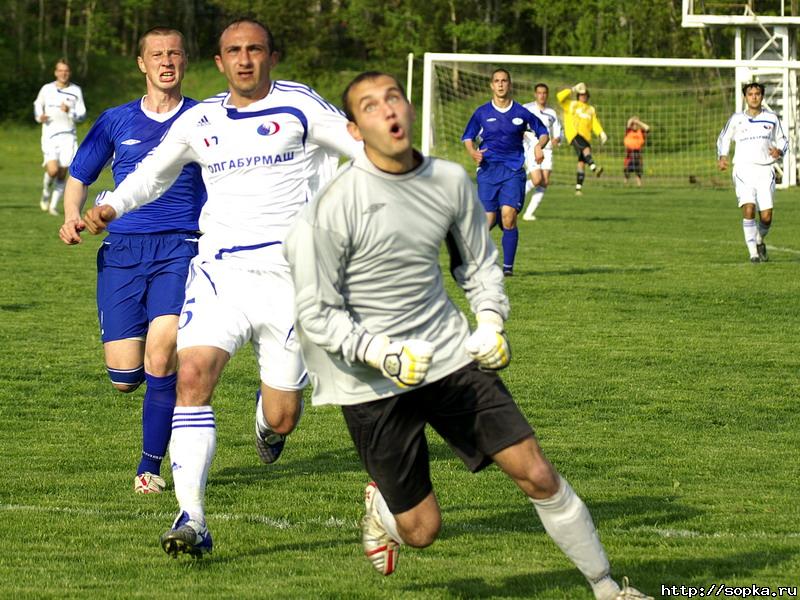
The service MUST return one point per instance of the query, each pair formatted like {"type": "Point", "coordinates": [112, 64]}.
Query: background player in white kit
{"type": "Point", "coordinates": [760, 142]}
{"type": "Point", "coordinates": [58, 107]}
{"type": "Point", "coordinates": [264, 148]}
{"type": "Point", "coordinates": [382, 339]}
{"type": "Point", "coordinates": [539, 173]}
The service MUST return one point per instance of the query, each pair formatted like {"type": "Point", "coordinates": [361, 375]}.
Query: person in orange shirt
{"type": "Point", "coordinates": [636, 132]}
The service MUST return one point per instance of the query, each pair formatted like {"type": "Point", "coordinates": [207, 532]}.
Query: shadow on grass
{"type": "Point", "coordinates": [335, 462]}
{"type": "Point", "coordinates": [586, 271]}
{"type": "Point", "coordinates": [646, 576]}
{"type": "Point", "coordinates": [19, 307]}
{"type": "Point", "coordinates": [321, 547]}
{"type": "Point", "coordinates": [590, 219]}
{"type": "Point", "coordinates": [630, 512]}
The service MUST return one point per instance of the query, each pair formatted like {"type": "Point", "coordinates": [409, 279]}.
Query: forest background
{"type": "Point", "coordinates": [321, 41]}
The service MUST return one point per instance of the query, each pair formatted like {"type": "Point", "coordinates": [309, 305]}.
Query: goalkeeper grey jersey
{"type": "Point", "coordinates": [364, 257]}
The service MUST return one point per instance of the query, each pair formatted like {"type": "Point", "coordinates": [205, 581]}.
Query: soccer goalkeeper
{"type": "Point", "coordinates": [580, 122]}
{"type": "Point", "coordinates": [382, 339]}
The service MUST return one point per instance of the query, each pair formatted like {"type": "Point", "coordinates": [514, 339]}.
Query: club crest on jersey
{"type": "Point", "coordinates": [268, 128]}
{"type": "Point", "coordinates": [211, 141]}
{"type": "Point", "coordinates": [517, 121]}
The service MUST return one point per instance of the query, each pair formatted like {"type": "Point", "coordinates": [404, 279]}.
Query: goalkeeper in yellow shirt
{"type": "Point", "coordinates": [580, 122]}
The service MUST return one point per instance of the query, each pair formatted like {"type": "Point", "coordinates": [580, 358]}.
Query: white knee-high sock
{"type": "Point", "coordinates": [750, 232]}
{"type": "Point", "coordinates": [191, 450]}
{"type": "Point", "coordinates": [528, 186]}
{"type": "Point", "coordinates": [47, 181]}
{"type": "Point", "coordinates": [567, 520]}
{"type": "Point", "coordinates": [536, 199]}
{"type": "Point", "coordinates": [58, 191]}
{"type": "Point", "coordinates": [387, 518]}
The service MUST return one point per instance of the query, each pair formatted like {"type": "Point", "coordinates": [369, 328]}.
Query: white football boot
{"type": "Point", "coordinates": [380, 549]}
{"type": "Point", "coordinates": [630, 593]}
{"type": "Point", "coordinates": [147, 483]}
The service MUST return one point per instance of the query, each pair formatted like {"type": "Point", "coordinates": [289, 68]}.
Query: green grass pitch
{"type": "Point", "coordinates": [659, 368]}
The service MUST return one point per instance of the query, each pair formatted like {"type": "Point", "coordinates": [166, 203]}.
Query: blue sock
{"type": "Point", "coordinates": [157, 409]}
{"type": "Point", "coordinates": [510, 241]}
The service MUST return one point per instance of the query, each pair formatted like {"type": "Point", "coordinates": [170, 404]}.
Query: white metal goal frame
{"type": "Point", "coordinates": [783, 67]}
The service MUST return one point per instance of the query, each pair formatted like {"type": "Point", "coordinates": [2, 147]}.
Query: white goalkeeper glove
{"type": "Point", "coordinates": [488, 344]}
{"type": "Point", "coordinates": [603, 137]}
{"type": "Point", "coordinates": [405, 362]}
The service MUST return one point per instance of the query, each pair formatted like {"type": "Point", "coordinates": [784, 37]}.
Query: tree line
{"type": "Point", "coordinates": [324, 35]}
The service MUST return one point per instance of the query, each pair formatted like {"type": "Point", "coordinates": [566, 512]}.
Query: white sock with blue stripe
{"type": "Point", "coordinates": [191, 450]}
{"type": "Point", "coordinates": [750, 231]}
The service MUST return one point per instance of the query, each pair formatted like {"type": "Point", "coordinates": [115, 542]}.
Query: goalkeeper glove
{"type": "Point", "coordinates": [488, 344]}
{"type": "Point", "coordinates": [603, 137]}
{"type": "Point", "coordinates": [404, 362]}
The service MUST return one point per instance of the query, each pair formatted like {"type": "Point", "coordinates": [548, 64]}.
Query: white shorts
{"type": "Point", "coordinates": [545, 165]}
{"type": "Point", "coordinates": [60, 148]}
{"type": "Point", "coordinates": [227, 306]}
{"type": "Point", "coordinates": [755, 184]}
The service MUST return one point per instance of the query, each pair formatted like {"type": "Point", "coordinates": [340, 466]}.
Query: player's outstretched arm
{"type": "Point", "coordinates": [75, 193]}
{"type": "Point", "coordinates": [98, 218]}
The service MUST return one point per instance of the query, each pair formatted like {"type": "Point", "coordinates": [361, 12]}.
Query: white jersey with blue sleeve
{"type": "Point", "coordinates": [260, 165]}
{"type": "Point", "coordinates": [549, 119]}
{"type": "Point", "coordinates": [50, 102]}
{"type": "Point", "coordinates": [753, 136]}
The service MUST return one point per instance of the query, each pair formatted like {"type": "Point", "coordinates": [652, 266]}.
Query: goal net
{"type": "Point", "coordinates": [686, 103]}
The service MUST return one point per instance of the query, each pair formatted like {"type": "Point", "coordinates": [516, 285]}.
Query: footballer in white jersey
{"type": "Point", "coordinates": [264, 148]}
{"type": "Point", "coordinates": [539, 173]}
{"type": "Point", "coordinates": [260, 164]}
{"type": "Point", "coordinates": [760, 142]}
{"type": "Point", "coordinates": [58, 107]}
{"type": "Point", "coordinates": [549, 117]}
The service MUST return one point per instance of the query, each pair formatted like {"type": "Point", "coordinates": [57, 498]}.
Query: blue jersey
{"type": "Point", "coordinates": [127, 134]}
{"type": "Point", "coordinates": [501, 132]}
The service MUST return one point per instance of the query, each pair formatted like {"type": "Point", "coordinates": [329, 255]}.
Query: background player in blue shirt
{"type": "Point", "coordinates": [143, 262]}
{"type": "Point", "coordinates": [500, 126]}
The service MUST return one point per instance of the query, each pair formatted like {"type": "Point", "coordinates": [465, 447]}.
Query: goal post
{"type": "Point", "coordinates": [685, 101]}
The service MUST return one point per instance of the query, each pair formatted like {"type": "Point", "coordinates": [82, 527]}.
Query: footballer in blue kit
{"type": "Point", "coordinates": [143, 262]}
{"type": "Point", "coordinates": [500, 125]}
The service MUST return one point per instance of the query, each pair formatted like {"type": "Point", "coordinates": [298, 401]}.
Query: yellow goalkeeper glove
{"type": "Point", "coordinates": [488, 344]}
{"type": "Point", "coordinates": [405, 362]}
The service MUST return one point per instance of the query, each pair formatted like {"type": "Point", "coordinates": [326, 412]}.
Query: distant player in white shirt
{"type": "Point", "coordinates": [265, 148]}
{"type": "Point", "coordinates": [58, 107]}
{"type": "Point", "coordinates": [760, 142]}
{"type": "Point", "coordinates": [539, 174]}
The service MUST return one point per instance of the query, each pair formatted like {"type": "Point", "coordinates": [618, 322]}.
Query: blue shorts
{"type": "Point", "coordinates": [140, 277]}
{"type": "Point", "coordinates": [500, 186]}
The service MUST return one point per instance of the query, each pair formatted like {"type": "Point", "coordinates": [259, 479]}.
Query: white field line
{"type": "Point", "coordinates": [332, 522]}
{"type": "Point", "coordinates": [329, 522]}
{"type": "Point", "coordinates": [770, 247]}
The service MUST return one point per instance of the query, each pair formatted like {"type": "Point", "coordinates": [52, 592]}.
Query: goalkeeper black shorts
{"type": "Point", "coordinates": [579, 143]}
{"type": "Point", "coordinates": [471, 409]}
